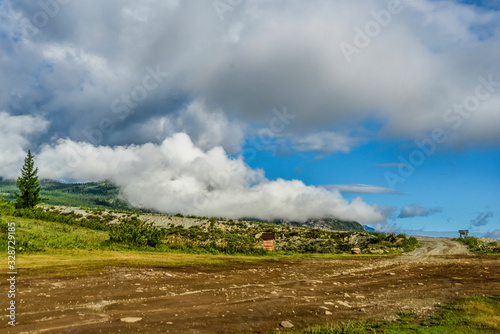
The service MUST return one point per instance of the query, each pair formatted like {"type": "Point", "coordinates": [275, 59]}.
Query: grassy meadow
{"type": "Point", "coordinates": [464, 316]}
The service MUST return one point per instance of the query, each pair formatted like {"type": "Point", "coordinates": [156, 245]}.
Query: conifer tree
{"type": "Point", "coordinates": [28, 184]}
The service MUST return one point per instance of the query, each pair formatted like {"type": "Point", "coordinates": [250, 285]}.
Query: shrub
{"type": "Point", "coordinates": [134, 232]}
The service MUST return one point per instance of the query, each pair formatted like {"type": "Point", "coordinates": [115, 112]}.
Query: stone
{"type": "Point", "coordinates": [356, 251]}
{"type": "Point", "coordinates": [286, 324]}
{"type": "Point", "coordinates": [328, 313]}
{"type": "Point", "coordinates": [343, 303]}
{"type": "Point", "coordinates": [131, 319]}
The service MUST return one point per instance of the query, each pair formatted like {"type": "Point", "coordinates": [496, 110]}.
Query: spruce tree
{"type": "Point", "coordinates": [28, 184]}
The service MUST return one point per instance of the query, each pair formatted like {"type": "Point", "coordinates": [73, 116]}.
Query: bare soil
{"type": "Point", "coordinates": [253, 298]}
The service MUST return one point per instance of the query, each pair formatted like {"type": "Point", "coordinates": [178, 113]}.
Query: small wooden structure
{"type": "Point", "coordinates": [268, 240]}
{"type": "Point", "coordinates": [464, 233]}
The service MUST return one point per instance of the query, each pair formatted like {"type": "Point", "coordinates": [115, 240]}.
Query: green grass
{"type": "Point", "coordinates": [45, 248]}
{"type": "Point", "coordinates": [469, 315]}
{"type": "Point", "coordinates": [93, 194]}
{"type": "Point", "coordinates": [210, 236]}
{"type": "Point", "coordinates": [76, 262]}
{"type": "Point", "coordinates": [36, 235]}
{"type": "Point", "coordinates": [478, 246]}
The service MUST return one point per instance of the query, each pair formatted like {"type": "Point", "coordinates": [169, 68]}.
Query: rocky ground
{"type": "Point", "coordinates": [254, 297]}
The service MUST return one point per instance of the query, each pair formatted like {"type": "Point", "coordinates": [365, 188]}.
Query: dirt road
{"type": "Point", "coordinates": [254, 298]}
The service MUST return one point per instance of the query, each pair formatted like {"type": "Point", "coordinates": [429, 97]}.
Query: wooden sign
{"type": "Point", "coordinates": [269, 245]}
{"type": "Point", "coordinates": [268, 241]}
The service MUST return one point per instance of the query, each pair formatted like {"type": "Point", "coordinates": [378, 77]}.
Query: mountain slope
{"type": "Point", "coordinates": [92, 194]}
{"type": "Point", "coordinates": [333, 224]}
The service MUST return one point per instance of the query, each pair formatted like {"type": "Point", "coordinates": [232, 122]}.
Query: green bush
{"type": "Point", "coordinates": [476, 245]}
{"type": "Point", "coordinates": [4, 227]}
{"type": "Point", "coordinates": [380, 237]}
{"type": "Point", "coordinates": [134, 232]}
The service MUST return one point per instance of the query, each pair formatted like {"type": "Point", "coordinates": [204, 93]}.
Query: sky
{"type": "Point", "coordinates": [383, 112]}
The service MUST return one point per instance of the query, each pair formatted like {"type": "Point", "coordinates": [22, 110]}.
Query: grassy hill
{"type": "Point", "coordinates": [92, 195]}
{"type": "Point", "coordinates": [333, 224]}
{"type": "Point", "coordinates": [44, 228]}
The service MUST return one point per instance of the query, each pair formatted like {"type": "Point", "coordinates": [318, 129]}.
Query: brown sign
{"type": "Point", "coordinates": [269, 245]}
{"type": "Point", "coordinates": [268, 236]}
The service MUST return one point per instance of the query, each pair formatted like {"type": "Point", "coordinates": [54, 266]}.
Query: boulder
{"type": "Point", "coordinates": [356, 251]}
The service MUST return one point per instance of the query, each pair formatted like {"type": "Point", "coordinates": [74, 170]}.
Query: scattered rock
{"type": "Point", "coordinates": [391, 274]}
{"type": "Point", "coordinates": [420, 283]}
{"type": "Point", "coordinates": [328, 313]}
{"type": "Point", "coordinates": [131, 319]}
{"type": "Point", "coordinates": [356, 251]}
{"type": "Point", "coordinates": [343, 303]}
{"type": "Point", "coordinates": [361, 310]}
{"type": "Point", "coordinates": [286, 324]}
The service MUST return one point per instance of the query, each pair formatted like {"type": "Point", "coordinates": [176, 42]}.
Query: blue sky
{"type": "Point", "coordinates": [459, 185]}
{"type": "Point", "coordinates": [381, 112]}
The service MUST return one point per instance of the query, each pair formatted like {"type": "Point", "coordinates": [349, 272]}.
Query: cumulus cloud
{"type": "Point", "coordinates": [261, 56]}
{"type": "Point", "coordinates": [495, 234]}
{"type": "Point", "coordinates": [176, 67]}
{"type": "Point", "coordinates": [417, 211]}
{"type": "Point", "coordinates": [15, 133]}
{"type": "Point", "coordinates": [325, 142]}
{"type": "Point", "coordinates": [359, 188]}
{"type": "Point", "coordinates": [482, 219]}
{"type": "Point", "coordinates": [177, 176]}
{"type": "Point", "coordinates": [207, 129]}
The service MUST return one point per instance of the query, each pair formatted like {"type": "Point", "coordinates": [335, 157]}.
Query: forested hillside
{"type": "Point", "coordinates": [92, 194]}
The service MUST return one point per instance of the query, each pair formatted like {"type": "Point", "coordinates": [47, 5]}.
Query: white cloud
{"type": "Point", "coordinates": [495, 234]}
{"type": "Point", "coordinates": [482, 219]}
{"type": "Point", "coordinates": [207, 128]}
{"type": "Point", "coordinates": [417, 211]}
{"type": "Point", "coordinates": [15, 132]}
{"type": "Point", "coordinates": [325, 142]}
{"type": "Point", "coordinates": [177, 176]}
{"type": "Point", "coordinates": [359, 188]}
{"type": "Point", "coordinates": [261, 56]}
